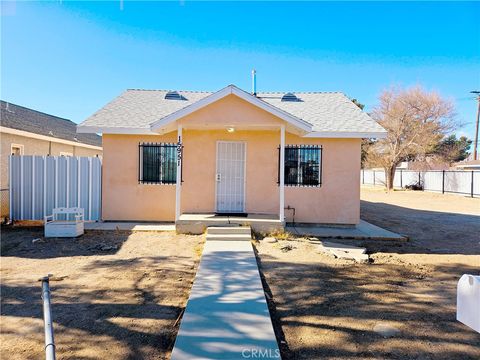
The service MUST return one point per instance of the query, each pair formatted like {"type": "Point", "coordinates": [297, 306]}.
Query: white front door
{"type": "Point", "coordinates": [230, 177]}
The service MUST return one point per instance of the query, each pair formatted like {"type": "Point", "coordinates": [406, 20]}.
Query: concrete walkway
{"type": "Point", "coordinates": [129, 226]}
{"type": "Point", "coordinates": [363, 231]}
{"type": "Point", "coordinates": [227, 315]}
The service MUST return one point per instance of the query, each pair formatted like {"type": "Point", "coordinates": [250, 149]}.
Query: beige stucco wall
{"type": "Point", "coordinates": [337, 201]}
{"type": "Point", "coordinates": [123, 198]}
{"type": "Point", "coordinates": [33, 146]}
{"type": "Point", "coordinates": [261, 189]}
{"type": "Point", "coordinates": [231, 111]}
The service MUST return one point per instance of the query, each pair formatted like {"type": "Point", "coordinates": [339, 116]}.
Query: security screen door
{"type": "Point", "coordinates": [230, 177]}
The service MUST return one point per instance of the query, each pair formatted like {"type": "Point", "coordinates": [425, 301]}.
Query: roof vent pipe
{"type": "Point", "coordinates": [254, 82]}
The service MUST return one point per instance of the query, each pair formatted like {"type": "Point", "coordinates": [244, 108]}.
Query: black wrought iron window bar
{"type": "Point", "coordinates": [303, 165]}
{"type": "Point", "coordinates": [158, 163]}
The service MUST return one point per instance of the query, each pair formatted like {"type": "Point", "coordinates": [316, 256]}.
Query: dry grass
{"type": "Point", "coordinates": [121, 303]}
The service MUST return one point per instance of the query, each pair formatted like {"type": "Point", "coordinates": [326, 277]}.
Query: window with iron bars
{"type": "Point", "coordinates": [158, 163]}
{"type": "Point", "coordinates": [303, 165]}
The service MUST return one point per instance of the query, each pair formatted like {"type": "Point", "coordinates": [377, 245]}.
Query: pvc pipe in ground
{"type": "Point", "coordinates": [47, 319]}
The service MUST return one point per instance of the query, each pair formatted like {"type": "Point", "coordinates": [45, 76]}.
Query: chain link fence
{"type": "Point", "coordinates": [442, 181]}
{"type": "Point", "coordinates": [4, 203]}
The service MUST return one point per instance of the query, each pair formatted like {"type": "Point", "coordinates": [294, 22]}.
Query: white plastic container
{"type": "Point", "coordinates": [468, 301]}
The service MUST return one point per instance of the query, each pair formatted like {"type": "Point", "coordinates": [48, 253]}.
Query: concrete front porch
{"type": "Point", "coordinates": [362, 231]}
{"type": "Point", "coordinates": [197, 223]}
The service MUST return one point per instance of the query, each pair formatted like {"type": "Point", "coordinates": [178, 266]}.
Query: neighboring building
{"type": "Point", "coordinates": [230, 162]}
{"type": "Point", "coordinates": [404, 165]}
{"type": "Point", "coordinates": [25, 131]}
{"type": "Point", "coordinates": [426, 164]}
{"type": "Point", "coordinates": [467, 165]}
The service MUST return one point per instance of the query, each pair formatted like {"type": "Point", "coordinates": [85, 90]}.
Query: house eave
{"type": "Point", "coordinates": [85, 129]}
{"type": "Point", "coordinates": [28, 134]}
{"type": "Point", "coordinates": [146, 131]}
{"type": "Point", "coordinates": [347, 134]}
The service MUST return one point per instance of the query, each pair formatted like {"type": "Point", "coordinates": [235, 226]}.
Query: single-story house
{"type": "Point", "coordinates": [29, 132]}
{"type": "Point", "coordinates": [285, 156]}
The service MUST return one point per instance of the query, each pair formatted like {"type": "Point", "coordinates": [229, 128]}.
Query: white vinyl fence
{"type": "Point", "coordinates": [40, 183]}
{"type": "Point", "coordinates": [455, 182]}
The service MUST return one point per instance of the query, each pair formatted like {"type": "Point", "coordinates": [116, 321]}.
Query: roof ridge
{"type": "Point", "coordinates": [184, 91]}
{"type": "Point", "coordinates": [259, 93]}
{"type": "Point", "coordinates": [300, 92]}
{"type": "Point", "coordinates": [19, 117]}
{"type": "Point", "coordinates": [37, 111]}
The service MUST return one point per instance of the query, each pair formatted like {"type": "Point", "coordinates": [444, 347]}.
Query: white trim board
{"type": "Point", "coordinates": [346, 135]}
{"type": "Point", "coordinates": [229, 90]}
{"type": "Point", "coordinates": [85, 129]}
{"type": "Point", "coordinates": [31, 135]}
{"type": "Point", "coordinates": [314, 134]}
{"type": "Point", "coordinates": [19, 146]}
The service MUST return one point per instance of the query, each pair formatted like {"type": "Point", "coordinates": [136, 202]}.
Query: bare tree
{"type": "Point", "coordinates": [416, 120]}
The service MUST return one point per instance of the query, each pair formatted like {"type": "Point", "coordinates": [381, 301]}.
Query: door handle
{"type": "Point", "coordinates": [219, 177]}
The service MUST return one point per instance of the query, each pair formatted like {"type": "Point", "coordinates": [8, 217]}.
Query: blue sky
{"type": "Point", "coordinates": [70, 58]}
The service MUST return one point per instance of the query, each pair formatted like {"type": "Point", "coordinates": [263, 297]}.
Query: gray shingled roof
{"type": "Point", "coordinates": [326, 111]}
{"type": "Point", "coordinates": [139, 108]}
{"type": "Point", "coordinates": [25, 119]}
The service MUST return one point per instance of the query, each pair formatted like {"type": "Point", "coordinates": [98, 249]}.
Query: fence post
{"type": "Point", "coordinates": [90, 179]}
{"type": "Point", "coordinates": [471, 186]}
{"type": "Point", "coordinates": [419, 179]}
{"type": "Point", "coordinates": [33, 187]}
{"type": "Point", "coordinates": [373, 177]}
{"type": "Point", "coordinates": [10, 188]}
{"type": "Point", "coordinates": [21, 188]}
{"type": "Point", "coordinates": [44, 187]}
{"type": "Point", "coordinates": [55, 160]}
{"type": "Point", "coordinates": [401, 180]}
{"type": "Point", "coordinates": [363, 176]}
{"type": "Point", "coordinates": [443, 181]}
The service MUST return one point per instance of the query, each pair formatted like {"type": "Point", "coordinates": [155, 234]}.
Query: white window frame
{"type": "Point", "coordinates": [20, 146]}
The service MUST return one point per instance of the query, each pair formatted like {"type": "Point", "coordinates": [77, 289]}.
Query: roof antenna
{"type": "Point", "coordinates": [254, 82]}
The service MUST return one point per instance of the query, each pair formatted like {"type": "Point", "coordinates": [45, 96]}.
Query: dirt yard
{"type": "Point", "coordinates": [121, 293]}
{"type": "Point", "coordinates": [120, 296]}
{"type": "Point", "coordinates": [436, 223]}
{"type": "Point", "coordinates": [325, 308]}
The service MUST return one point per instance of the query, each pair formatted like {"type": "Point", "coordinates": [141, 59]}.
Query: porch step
{"type": "Point", "coordinates": [226, 237]}
{"type": "Point", "coordinates": [198, 223]}
{"type": "Point", "coordinates": [229, 230]}
{"type": "Point", "coordinates": [232, 235]}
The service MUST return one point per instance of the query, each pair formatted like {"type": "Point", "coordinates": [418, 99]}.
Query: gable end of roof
{"type": "Point", "coordinates": [231, 90]}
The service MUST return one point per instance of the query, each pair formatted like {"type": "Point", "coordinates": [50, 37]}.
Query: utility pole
{"type": "Point", "coordinates": [475, 144]}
